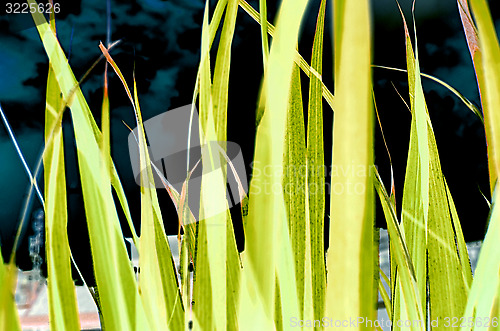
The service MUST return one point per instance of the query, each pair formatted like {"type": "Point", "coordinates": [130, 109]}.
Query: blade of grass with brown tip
{"type": "Point", "coordinates": [484, 51]}
{"type": "Point", "coordinates": [488, 75]}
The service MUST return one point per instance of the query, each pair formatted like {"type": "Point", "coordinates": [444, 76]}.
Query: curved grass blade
{"type": "Point", "coordinates": [466, 101]}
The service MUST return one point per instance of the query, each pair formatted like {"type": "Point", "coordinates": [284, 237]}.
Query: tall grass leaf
{"type": "Point", "coordinates": [294, 184]}
{"type": "Point", "coordinates": [210, 286]}
{"type": "Point", "coordinates": [484, 50]}
{"type": "Point", "coordinates": [266, 239]}
{"type": "Point", "coordinates": [9, 317]}
{"type": "Point", "coordinates": [426, 218]}
{"type": "Point", "coordinates": [316, 170]}
{"type": "Point", "coordinates": [415, 204]}
{"type": "Point", "coordinates": [63, 311]}
{"type": "Point", "coordinates": [350, 259]}
{"type": "Point", "coordinates": [120, 302]}
{"type": "Point", "coordinates": [220, 102]}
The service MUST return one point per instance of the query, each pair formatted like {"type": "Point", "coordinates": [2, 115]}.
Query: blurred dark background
{"type": "Point", "coordinates": [162, 40]}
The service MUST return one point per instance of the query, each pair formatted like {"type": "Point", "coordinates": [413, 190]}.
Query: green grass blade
{"type": "Point", "coordinates": [266, 225]}
{"type": "Point", "coordinates": [220, 100]}
{"type": "Point", "coordinates": [316, 170]}
{"type": "Point", "coordinates": [294, 183]}
{"type": "Point", "coordinates": [120, 303]}
{"type": "Point", "coordinates": [63, 311]}
{"type": "Point", "coordinates": [428, 224]}
{"type": "Point", "coordinates": [350, 261]}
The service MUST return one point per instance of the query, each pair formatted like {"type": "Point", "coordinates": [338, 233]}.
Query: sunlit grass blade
{"type": "Point", "coordinates": [120, 303]}
{"type": "Point", "coordinates": [210, 285]}
{"type": "Point", "coordinates": [350, 260]}
{"type": "Point", "coordinates": [220, 102]}
{"type": "Point", "coordinates": [316, 170]}
{"type": "Point", "coordinates": [63, 311]}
